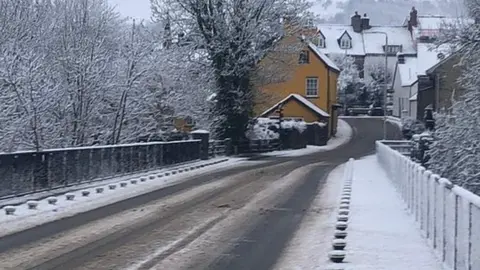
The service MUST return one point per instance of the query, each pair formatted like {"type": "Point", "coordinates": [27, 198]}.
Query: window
{"type": "Point", "coordinates": [312, 87]}
{"type": "Point", "coordinates": [321, 42]}
{"type": "Point", "coordinates": [393, 49]}
{"type": "Point", "coordinates": [304, 57]}
{"type": "Point", "coordinates": [345, 43]}
{"type": "Point", "coordinates": [189, 121]}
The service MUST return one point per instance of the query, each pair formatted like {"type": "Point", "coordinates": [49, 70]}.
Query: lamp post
{"type": "Point", "coordinates": [384, 82]}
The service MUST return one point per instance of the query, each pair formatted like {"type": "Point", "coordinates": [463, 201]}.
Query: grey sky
{"type": "Point", "coordinates": [138, 9]}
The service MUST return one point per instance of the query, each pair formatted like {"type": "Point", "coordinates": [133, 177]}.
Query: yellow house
{"type": "Point", "coordinates": [183, 124]}
{"type": "Point", "coordinates": [301, 79]}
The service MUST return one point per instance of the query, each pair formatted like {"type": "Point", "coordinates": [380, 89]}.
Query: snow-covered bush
{"type": "Point", "coordinates": [411, 126]}
{"type": "Point", "coordinates": [268, 129]}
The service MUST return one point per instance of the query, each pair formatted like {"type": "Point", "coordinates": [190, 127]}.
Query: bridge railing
{"type": "Point", "coordinates": [28, 172]}
{"type": "Point", "coordinates": [448, 215]}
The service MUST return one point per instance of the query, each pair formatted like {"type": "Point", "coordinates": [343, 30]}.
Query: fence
{"type": "Point", "coordinates": [27, 172]}
{"type": "Point", "coordinates": [448, 215]}
{"type": "Point", "coordinates": [402, 146]}
{"type": "Point", "coordinates": [218, 147]}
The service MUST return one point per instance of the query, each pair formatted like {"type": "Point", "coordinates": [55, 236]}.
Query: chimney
{"type": "Point", "coordinates": [413, 17]}
{"type": "Point", "coordinates": [357, 23]}
{"type": "Point", "coordinates": [401, 58]}
{"type": "Point", "coordinates": [365, 22]}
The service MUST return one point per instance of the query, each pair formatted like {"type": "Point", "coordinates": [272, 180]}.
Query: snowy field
{"type": "Point", "coordinates": [87, 199]}
{"type": "Point", "coordinates": [381, 235]}
{"type": "Point", "coordinates": [343, 136]}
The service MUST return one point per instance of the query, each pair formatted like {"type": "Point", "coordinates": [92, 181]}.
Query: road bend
{"type": "Point", "coordinates": [236, 218]}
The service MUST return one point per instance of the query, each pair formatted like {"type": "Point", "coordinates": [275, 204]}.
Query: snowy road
{"type": "Point", "coordinates": [238, 218]}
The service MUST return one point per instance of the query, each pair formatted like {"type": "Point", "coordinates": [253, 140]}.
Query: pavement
{"type": "Point", "coordinates": [381, 233]}
{"type": "Point", "coordinates": [240, 218]}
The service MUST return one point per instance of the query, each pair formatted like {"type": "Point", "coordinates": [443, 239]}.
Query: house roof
{"type": "Point", "coordinates": [441, 62]}
{"type": "Point", "coordinates": [332, 32]}
{"type": "Point", "coordinates": [300, 99]}
{"type": "Point", "coordinates": [414, 97]}
{"type": "Point", "coordinates": [427, 57]}
{"type": "Point", "coordinates": [323, 57]}
{"type": "Point", "coordinates": [368, 41]}
{"type": "Point", "coordinates": [397, 35]}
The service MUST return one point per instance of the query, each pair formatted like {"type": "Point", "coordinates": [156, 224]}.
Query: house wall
{"type": "Point", "coordinates": [413, 109]}
{"type": "Point", "coordinates": [273, 86]}
{"type": "Point", "coordinates": [445, 81]}
{"type": "Point", "coordinates": [333, 77]}
{"type": "Point", "coordinates": [397, 90]}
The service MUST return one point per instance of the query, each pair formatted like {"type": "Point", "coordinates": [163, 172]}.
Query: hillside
{"type": "Point", "coordinates": [384, 12]}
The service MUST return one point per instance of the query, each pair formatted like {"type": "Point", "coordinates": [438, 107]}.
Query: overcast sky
{"type": "Point", "coordinates": [138, 9]}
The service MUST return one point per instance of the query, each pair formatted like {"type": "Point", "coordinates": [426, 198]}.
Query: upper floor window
{"type": "Point", "coordinates": [321, 42]}
{"type": "Point", "coordinates": [393, 49]}
{"type": "Point", "coordinates": [345, 43]}
{"type": "Point", "coordinates": [312, 87]}
{"type": "Point", "coordinates": [303, 58]}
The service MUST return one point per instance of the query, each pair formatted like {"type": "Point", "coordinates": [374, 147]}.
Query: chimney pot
{"type": "Point", "coordinates": [357, 23]}
{"type": "Point", "coordinates": [413, 17]}
{"type": "Point", "coordinates": [365, 22]}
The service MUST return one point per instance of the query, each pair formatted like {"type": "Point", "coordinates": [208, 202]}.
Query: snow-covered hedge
{"type": "Point", "coordinates": [267, 129]}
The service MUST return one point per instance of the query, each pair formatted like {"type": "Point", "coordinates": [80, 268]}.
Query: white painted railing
{"type": "Point", "coordinates": [448, 215]}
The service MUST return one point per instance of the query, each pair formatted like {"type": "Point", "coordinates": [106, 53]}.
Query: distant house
{"type": "Point", "coordinates": [366, 43]}
{"type": "Point", "coordinates": [183, 124]}
{"type": "Point", "coordinates": [440, 85]}
{"type": "Point", "coordinates": [430, 76]}
{"type": "Point", "coordinates": [302, 80]}
{"type": "Point", "coordinates": [408, 70]}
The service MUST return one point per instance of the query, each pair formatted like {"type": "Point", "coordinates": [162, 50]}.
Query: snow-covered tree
{"type": "Point", "coordinates": [350, 87]}
{"type": "Point", "coordinates": [234, 35]}
{"type": "Point", "coordinates": [376, 86]}
{"type": "Point", "coordinates": [73, 73]}
{"type": "Point", "coordinates": [456, 152]}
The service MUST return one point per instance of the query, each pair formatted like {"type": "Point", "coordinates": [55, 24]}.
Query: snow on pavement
{"type": "Point", "coordinates": [381, 235]}
{"type": "Point", "coordinates": [25, 218]}
{"type": "Point", "coordinates": [311, 243]}
{"type": "Point", "coordinates": [343, 136]}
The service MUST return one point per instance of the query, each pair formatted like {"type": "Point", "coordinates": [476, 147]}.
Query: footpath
{"type": "Point", "coordinates": [381, 235]}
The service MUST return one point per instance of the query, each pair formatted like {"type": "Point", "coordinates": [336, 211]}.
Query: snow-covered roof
{"type": "Point", "coordinates": [300, 99]}
{"type": "Point", "coordinates": [397, 35]}
{"type": "Point", "coordinates": [323, 57]}
{"type": "Point", "coordinates": [427, 57]}
{"type": "Point", "coordinates": [366, 42]}
{"type": "Point", "coordinates": [333, 32]}
{"type": "Point", "coordinates": [435, 22]}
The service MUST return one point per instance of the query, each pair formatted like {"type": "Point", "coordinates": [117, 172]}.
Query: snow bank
{"type": "Point", "coordinates": [199, 131]}
{"type": "Point", "coordinates": [25, 218]}
{"type": "Point", "coordinates": [343, 136]}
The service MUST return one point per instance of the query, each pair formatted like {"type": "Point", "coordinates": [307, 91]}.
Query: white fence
{"type": "Point", "coordinates": [448, 215]}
